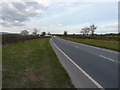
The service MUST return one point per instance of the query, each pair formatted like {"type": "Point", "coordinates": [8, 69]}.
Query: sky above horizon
{"type": "Point", "coordinates": [59, 16]}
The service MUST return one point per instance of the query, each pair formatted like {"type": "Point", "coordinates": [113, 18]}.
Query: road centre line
{"type": "Point", "coordinates": [95, 47]}
{"type": "Point", "coordinates": [99, 55]}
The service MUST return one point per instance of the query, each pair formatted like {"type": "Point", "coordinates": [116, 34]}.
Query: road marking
{"type": "Point", "coordinates": [101, 48]}
{"type": "Point", "coordinates": [106, 58]}
{"type": "Point", "coordinates": [109, 59]}
{"type": "Point", "coordinates": [89, 77]}
{"type": "Point", "coordinates": [99, 55]}
{"type": "Point", "coordinates": [116, 52]}
{"type": "Point", "coordinates": [76, 47]}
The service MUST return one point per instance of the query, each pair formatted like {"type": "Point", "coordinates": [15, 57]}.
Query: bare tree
{"type": "Point", "coordinates": [65, 33]}
{"type": "Point", "coordinates": [35, 31]}
{"type": "Point", "coordinates": [85, 31]}
{"type": "Point", "coordinates": [48, 33]}
{"type": "Point", "coordinates": [92, 29]}
{"type": "Point", "coordinates": [82, 31]}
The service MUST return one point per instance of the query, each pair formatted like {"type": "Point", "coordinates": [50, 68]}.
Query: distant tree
{"type": "Point", "coordinates": [65, 33]}
{"type": "Point", "coordinates": [73, 34]}
{"type": "Point", "coordinates": [35, 31]}
{"type": "Point", "coordinates": [43, 33]}
{"type": "Point", "coordinates": [24, 32]}
{"type": "Point", "coordinates": [92, 29]}
{"type": "Point", "coordinates": [82, 31]}
{"type": "Point", "coordinates": [85, 30]}
{"type": "Point", "coordinates": [48, 33]}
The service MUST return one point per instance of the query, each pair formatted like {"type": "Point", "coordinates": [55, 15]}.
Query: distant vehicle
{"type": "Point", "coordinates": [54, 36]}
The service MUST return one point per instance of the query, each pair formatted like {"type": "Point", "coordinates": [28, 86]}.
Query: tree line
{"type": "Point", "coordinates": [86, 30]}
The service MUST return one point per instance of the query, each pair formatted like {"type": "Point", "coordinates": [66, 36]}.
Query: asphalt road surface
{"type": "Point", "coordinates": [99, 65]}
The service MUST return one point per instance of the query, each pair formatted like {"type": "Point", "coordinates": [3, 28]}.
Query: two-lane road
{"type": "Point", "coordinates": [99, 65]}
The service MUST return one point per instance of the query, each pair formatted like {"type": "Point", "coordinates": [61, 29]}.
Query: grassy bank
{"type": "Point", "coordinates": [33, 64]}
{"type": "Point", "coordinates": [113, 45]}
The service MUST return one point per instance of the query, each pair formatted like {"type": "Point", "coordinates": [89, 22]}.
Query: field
{"type": "Point", "coordinates": [33, 64]}
{"type": "Point", "coordinates": [106, 37]}
{"type": "Point", "coordinates": [104, 42]}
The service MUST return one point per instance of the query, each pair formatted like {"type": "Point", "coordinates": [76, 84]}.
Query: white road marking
{"type": "Point", "coordinates": [109, 59]}
{"type": "Point", "coordinates": [116, 52]}
{"type": "Point", "coordinates": [89, 77]}
{"type": "Point", "coordinates": [106, 58]}
{"type": "Point", "coordinates": [99, 55]}
{"type": "Point", "coordinates": [76, 47]}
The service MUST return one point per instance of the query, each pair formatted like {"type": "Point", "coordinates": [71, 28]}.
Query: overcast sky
{"type": "Point", "coordinates": [59, 16]}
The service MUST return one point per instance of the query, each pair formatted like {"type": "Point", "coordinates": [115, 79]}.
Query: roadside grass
{"type": "Point", "coordinates": [32, 64]}
{"type": "Point", "coordinates": [113, 45]}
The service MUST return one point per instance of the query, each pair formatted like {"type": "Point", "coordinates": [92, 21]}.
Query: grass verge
{"type": "Point", "coordinates": [33, 64]}
{"type": "Point", "coordinates": [113, 45]}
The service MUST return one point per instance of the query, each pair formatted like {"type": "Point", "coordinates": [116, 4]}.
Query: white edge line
{"type": "Point", "coordinates": [95, 82]}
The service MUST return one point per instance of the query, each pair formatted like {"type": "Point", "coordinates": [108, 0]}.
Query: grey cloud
{"type": "Point", "coordinates": [20, 12]}
{"type": "Point", "coordinates": [9, 24]}
{"type": "Point", "coordinates": [19, 6]}
{"type": "Point", "coordinates": [35, 5]}
{"type": "Point", "coordinates": [11, 14]}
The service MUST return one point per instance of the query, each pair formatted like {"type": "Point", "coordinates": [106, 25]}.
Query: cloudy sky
{"type": "Point", "coordinates": [57, 16]}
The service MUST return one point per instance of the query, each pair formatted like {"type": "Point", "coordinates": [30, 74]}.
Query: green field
{"type": "Point", "coordinates": [33, 64]}
{"type": "Point", "coordinates": [113, 45]}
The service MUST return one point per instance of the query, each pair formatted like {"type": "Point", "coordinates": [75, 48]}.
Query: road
{"type": "Point", "coordinates": [99, 65]}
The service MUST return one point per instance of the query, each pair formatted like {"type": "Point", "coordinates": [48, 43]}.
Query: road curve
{"type": "Point", "coordinates": [99, 65]}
